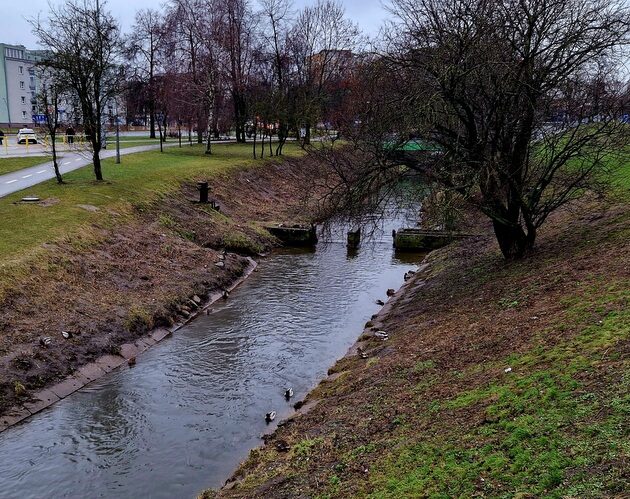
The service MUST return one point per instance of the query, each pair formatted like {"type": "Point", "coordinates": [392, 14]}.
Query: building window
{"type": "Point", "coordinates": [21, 84]}
{"type": "Point", "coordinates": [14, 53]}
{"type": "Point", "coordinates": [23, 114]}
{"type": "Point", "coordinates": [21, 69]}
{"type": "Point", "coordinates": [33, 109]}
{"type": "Point", "coordinates": [23, 100]}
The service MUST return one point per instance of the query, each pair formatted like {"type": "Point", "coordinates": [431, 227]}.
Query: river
{"type": "Point", "coordinates": [184, 417]}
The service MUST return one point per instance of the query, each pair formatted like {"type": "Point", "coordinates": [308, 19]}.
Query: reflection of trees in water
{"type": "Point", "coordinates": [392, 207]}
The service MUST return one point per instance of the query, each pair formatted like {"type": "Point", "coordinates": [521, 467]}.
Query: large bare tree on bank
{"type": "Point", "coordinates": [482, 80]}
{"type": "Point", "coordinates": [83, 44]}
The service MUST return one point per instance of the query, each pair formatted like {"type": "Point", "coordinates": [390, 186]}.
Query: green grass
{"type": "Point", "coordinates": [549, 430]}
{"type": "Point", "coordinates": [8, 165]}
{"type": "Point", "coordinates": [137, 183]}
{"type": "Point", "coordinates": [125, 144]}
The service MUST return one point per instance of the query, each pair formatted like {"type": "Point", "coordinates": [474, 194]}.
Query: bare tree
{"type": "Point", "coordinates": [276, 35]}
{"type": "Point", "coordinates": [50, 96]}
{"type": "Point", "coordinates": [322, 44]}
{"type": "Point", "coordinates": [145, 47]}
{"type": "Point", "coordinates": [184, 53]}
{"type": "Point", "coordinates": [83, 44]}
{"type": "Point", "coordinates": [512, 95]}
{"type": "Point", "coordinates": [237, 37]}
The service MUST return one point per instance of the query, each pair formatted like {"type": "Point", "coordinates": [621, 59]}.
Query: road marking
{"type": "Point", "coordinates": [27, 176]}
{"type": "Point", "coordinates": [41, 171]}
{"type": "Point", "coordinates": [10, 181]}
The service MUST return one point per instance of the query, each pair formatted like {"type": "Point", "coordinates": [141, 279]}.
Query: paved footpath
{"type": "Point", "coordinates": [28, 177]}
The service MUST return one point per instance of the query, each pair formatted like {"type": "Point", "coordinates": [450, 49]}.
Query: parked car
{"type": "Point", "coordinates": [25, 135]}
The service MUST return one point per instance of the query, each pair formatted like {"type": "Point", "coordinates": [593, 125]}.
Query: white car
{"type": "Point", "coordinates": [26, 135]}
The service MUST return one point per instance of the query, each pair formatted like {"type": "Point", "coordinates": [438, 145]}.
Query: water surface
{"type": "Point", "coordinates": [189, 411]}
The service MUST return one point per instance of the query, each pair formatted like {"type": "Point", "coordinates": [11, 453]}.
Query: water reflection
{"type": "Point", "coordinates": [183, 418]}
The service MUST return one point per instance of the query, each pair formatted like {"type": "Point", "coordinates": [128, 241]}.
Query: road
{"type": "Point", "coordinates": [28, 177]}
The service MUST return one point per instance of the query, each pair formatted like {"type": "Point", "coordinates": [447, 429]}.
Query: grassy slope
{"type": "Point", "coordinates": [8, 165]}
{"type": "Point", "coordinates": [110, 260]}
{"type": "Point", "coordinates": [141, 179]}
{"type": "Point", "coordinates": [434, 414]}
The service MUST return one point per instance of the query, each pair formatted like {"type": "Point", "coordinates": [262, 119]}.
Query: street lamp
{"type": "Point", "coordinates": [117, 137]}
{"type": "Point", "coordinates": [114, 117]}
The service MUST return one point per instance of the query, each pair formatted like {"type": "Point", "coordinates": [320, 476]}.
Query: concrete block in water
{"type": "Point", "coordinates": [423, 240]}
{"type": "Point", "coordinates": [354, 238]}
{"type": "Point", "coordinates": [295, 235]}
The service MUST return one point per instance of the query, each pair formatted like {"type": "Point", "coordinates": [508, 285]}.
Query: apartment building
{"type": "Point", "coordinates": [18, 85]}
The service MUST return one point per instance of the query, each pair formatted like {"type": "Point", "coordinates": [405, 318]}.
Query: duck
{"type": "Point", "coordinates": [288, 393]}
{"type": "Point", "coordinates": [131, 361]}
{"type": "Point", "coordinates": [282, 446]}
{"type": "Point", "coordinates": [380, 302]}
{"type": "Point", "coordinates": [382, 335]}
{"type": "Point", "coordinates": [270, 416]}
{"type": "Point", "coordinates": [391, 292]}
{"type": "Point", "coordinates": [67, 334]}
{"type": "Point", "coordinates": [362, 353]}
{"type": "Point", "coordinates": [408, 275]}
{"type": "Point", "coordinates": [226, 294]}
{"type": "Point", "coordinates": [45, 341]}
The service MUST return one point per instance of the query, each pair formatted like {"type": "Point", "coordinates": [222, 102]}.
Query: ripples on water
{"type": "Point", "coordinates": [186, 415]}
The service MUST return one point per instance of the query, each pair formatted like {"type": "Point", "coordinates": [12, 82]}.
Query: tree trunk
{"type": "Point", "coordinates": [239, 117]}
{"type": "Point", "coordinates": [96, 159]}
{"type": "Point", "coordinates": [152, 122]}
{"type": "Point", "coordinates": [209, 143]}
{"type": "Point", "coordinates": [283, 131]}
{"type": "Point", "coordinates": [262, 142]}
{"type": "Point", "coordinates": [307, 135]}
{"type": "Point", "coordinates": [54, 158]}
{"type": "Point", "coordinates": [513, 240]}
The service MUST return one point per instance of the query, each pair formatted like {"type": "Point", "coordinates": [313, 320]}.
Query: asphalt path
{"type": "Point", "coordinates": [69, 161]}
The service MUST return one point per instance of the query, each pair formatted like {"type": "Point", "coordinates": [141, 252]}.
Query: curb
{"type": "Point", "coordinates": [105, 364]}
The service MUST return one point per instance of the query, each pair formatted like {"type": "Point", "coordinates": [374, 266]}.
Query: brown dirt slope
{"type": "Point", "coordinates": [498, 380]}
{"type": "Point", "coordinates": [110, 284]}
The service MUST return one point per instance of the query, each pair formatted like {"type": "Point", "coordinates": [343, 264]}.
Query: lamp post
{"type": "Point", "coordinates": [117, 137]}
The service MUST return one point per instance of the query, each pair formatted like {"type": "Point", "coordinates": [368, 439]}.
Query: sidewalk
{"type": "Point", "coordinates": [68, 161]}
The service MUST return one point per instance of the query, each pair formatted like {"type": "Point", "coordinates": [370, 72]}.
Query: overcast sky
{"type": "Point", "coordinates": [15, 29]}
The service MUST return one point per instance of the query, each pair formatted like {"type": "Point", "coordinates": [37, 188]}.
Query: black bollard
{"type": "Point", "coordinates": [203, 192]}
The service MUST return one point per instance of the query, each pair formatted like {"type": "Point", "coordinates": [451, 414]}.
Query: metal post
{"type": "Point", "coordinates": [117, 142]}
{"type": "Point", "coordinates": [203, 192]}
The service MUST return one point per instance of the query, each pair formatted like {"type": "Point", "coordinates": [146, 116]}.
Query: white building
{"type": "Point", "coordinates": [18, 85]}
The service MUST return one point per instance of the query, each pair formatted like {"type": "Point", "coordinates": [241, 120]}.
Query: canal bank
{"type": "Point", "coordinates": [133, 268]}
{"type": "Point", "coordinates": [487, 378]}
